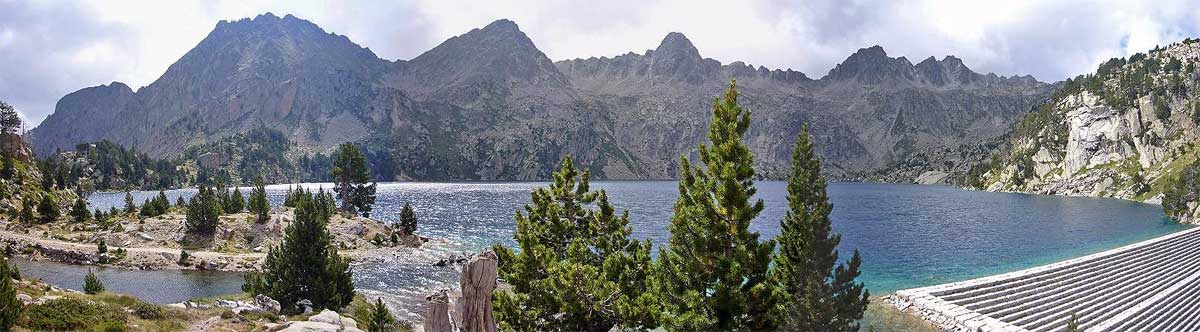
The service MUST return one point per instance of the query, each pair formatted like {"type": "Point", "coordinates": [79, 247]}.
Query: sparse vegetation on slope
{"type": "Point", "coordinates": [1129, 130]}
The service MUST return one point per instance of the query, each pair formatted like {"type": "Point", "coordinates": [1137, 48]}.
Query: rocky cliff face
{"type": "Point", "coordinates": [1128, 131]}
{"type": "Point", "coordinates": [489, 105]}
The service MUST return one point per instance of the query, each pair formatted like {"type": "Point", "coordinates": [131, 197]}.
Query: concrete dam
{"type": "Point", "coordinates": [1150, 286]}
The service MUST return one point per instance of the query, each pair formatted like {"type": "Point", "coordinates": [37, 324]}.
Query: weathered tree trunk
{"type": "Point", "coordinates": [437, 318]}
{"type": "Point", "coordinates": [478, 282]}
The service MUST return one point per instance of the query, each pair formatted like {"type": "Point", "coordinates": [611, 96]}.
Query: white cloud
{"type": "Point", "coordinates": [48, 49]}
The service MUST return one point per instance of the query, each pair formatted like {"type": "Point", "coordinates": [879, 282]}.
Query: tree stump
{"type": "Point", "coordinates": [478, 283]}
{"type": "Point", "coordinates": [437, 318]}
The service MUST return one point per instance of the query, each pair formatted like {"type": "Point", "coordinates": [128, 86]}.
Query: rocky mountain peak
{"type": "Point", "coordinates": [871, 65]}
{"type": "Point", "coordinates": [949, 70]}
{"type": "Point", "coordinates": [677, 58]}
{"type": "Point", "coordinates": [498, 56]}
{"type": "Point", "coordinates": [502, 26]}
{"type": "Point", "coordinates": [676, 46]}
{"type": "Point", "coordinates": [951, 61]}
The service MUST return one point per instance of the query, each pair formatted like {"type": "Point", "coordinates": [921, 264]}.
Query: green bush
{"type": "Point", "coordinates": [145, 310]}
{"type": "Point", "coordinates": [70, 314]}
{"type": "Point", "coordinates": [183, 258]}
{"type": "Point", "coordinates": [92, 284]}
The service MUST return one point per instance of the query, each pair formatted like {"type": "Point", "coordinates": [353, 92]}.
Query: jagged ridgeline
{"type": "Point", "coordinates": [1129, 130]}
{"type": "Point", "coordinates": [489, 105]}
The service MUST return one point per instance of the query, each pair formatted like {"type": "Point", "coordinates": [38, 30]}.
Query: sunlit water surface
{"type": "Point", "coordinates": [908, 235]}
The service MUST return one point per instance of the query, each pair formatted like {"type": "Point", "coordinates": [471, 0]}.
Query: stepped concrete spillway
{"type": "Point", "coordinates": [1152, 285]}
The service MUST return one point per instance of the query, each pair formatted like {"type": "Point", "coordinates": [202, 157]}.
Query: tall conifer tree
{"type": "Point", "coordinates": [577, 269]}
{"type": "Point", "coordinates": [305, 265]}
{"type": "Point", "coordinates": [713, 272]}
{"type": "Point", "coordinates": [258, 201]}
{"type": "Point", "coordinates": [813, 295]}
{"type": "Point", "coordinates": [408, 220]}
{"type": "Point", "coordinates": [350, 175]}
{"type": "Point", "coordinates": [10, 306]}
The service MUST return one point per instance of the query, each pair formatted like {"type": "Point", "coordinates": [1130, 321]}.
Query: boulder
{"type": "Point", "coordinates": [25, 298]}
{"type": "Point", "coordinates": [310, 327]}
{"type": "Point", "coordinates": [325, 321]}
{"type": "Point", "coordinates": [267, 303]}
{"type": "Point", "coordinates": [226, 304]}
{"type": "Point", "coordinates": [327, 316]}
{"type": "Point", "coordinates": [305, 306]}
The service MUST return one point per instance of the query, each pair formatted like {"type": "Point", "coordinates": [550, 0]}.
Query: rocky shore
{"type": "Point", "coordinates": [159, 243]}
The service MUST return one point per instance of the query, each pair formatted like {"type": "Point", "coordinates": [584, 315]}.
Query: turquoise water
{"type": "Point", "coordinates": [908, 235]}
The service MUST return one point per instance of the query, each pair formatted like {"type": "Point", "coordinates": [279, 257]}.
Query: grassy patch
{"type": "Point", "coordinates": [1167, 174]}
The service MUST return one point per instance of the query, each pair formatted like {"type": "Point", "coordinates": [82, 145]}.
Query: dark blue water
{"type": "Point", "coordinates": [908, 235]}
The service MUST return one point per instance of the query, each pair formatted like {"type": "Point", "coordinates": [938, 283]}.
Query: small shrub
{"type": "Point", "coordinates": [92, 284]}
{"type": "Point", "coordinates": [145, 310]}
{"type": "Point", "coordinates": [183, 258]}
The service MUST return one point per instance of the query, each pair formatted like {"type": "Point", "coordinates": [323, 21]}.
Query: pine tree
{"type": "Point", "coordinates": [813, 294]}
{"type": "Point", "coordinates": [289, 198]}
{"type": "Point", "coordinates": [180, 202]}
{"type": "Point", "coordinates": [130, 207]}
{"type": "Point", "coordinates": [9, 169]}
{"type": "Point", "coordinates": [305, 265]}
{"type": "Point", "coordinates": [203, 212]}
{"type": "Point", "coordinates": [156, 206]}
{"type": "Point", "coordinates": [713, 272]}
{"type": "Point", "coordinates": [79, 211]}
{"type": "Point", "coordinates": [234, 202]}
{"type": "Point", "coordinates": [27, 207]}
{"type": "Point", "coordinates": [10, 306]}
{"type": "Point", "coordinates": [48, 208]}
{"type": "Point", "coordinates": [101, 247]}
{"type": "Point", "coordinates": [258, 201]}
{"type": "Point", "coordinates": [1073, 324]}
{"type": "Point", "coordinates": [408, 220]}
{"type": "Point", "coordinates": [350, 175]}
{"type": "Point", "coordinates": [577, 269]}
{"type": "Point", "coordinates": [381, 320]}
{"type": "Point", "coordinates": [92, 284]}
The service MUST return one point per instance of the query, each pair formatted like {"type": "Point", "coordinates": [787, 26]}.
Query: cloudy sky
{"type": "Point", "coordinates": [51, 48]}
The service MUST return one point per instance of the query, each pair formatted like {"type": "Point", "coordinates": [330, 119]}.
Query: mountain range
{"type": "Point", "coordinates": [488, 105]}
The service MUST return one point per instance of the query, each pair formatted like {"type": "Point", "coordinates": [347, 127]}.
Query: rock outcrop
{"type": "Point", "coordinates": [1128, 131]}
{"type": "Point", "coordinates": [325, 321]}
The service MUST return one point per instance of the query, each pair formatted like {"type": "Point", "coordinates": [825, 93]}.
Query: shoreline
{"type": "Point", "coordinates": [142, 258]}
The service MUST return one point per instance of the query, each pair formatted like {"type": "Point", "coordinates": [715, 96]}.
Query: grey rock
{"type": "Point", "coordinates": [267, 303]}
{"type": "Point", "coordinates": [327, 316]}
